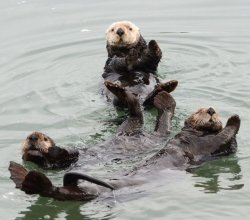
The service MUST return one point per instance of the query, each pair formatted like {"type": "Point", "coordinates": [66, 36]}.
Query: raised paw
{"type": "Point", "coordinates": [234, 121]}
{"type": "Point", "coordinates": [153, 48]}
{"type": "Point", "coordinates": [117, 90]}
{"type": "Point", "coordinates": [132, 58]}
{"type": "Point", "coordinates": [164, 101]}
{"type": "Point", "coordinates": [169, 86]}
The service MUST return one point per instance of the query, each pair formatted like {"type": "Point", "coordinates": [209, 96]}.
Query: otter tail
{"type": "Point", "coordinates": [71, 178]}
{"type": "Point", "coordinates": [31, 182]}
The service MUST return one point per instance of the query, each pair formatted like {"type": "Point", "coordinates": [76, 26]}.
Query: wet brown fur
{"type": "Point", "coordinates": [201, 138]}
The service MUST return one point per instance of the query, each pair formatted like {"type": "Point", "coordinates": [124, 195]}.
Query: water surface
{"type": "Point", "coordinates": [52, 56]}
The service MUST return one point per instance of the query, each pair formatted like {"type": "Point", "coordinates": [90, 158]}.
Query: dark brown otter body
{"type": "Point", "coordinates": [201, 139]}
{"type": "Point", "coordinates": [121, 149]}
{"type": "Point", "coordinates": [129, 141]}
{"type": "Point", "coordinates": [131, 63]}
{"type": "Point", "coordinates": [193, 147]}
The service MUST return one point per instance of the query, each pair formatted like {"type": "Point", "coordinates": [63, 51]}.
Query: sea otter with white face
{"type": "Point", "coordinates": [132, 63]}
{"type": "Point", "coordinates": [202, 138]}
{"type": "Point", "coordinates": [121, 37]}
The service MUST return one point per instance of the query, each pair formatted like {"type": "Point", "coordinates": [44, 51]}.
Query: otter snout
{"type": "Point", "coordinates": [33, 138]}
{"type": "Point", "coordinates": [120, 32]}
{"type": "Point", "coordinates": [211, 111]}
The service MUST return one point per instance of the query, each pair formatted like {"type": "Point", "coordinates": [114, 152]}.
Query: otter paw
{"type": "Point", "coordinates": [132, 58]}
{"type": "Point", "coordinates": [115, 89]}
{"type": "Point", "coordinates": [153, 48]}
{"type": "Point", "coordinates": [234, 121]}
{"type": "Point", "coordinates": [164, 101]}
{"type": "Point", "coordinates": [169, 86]}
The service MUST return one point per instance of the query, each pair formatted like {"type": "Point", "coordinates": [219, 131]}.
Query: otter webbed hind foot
{"type": "Point", "coordinates": [17, 173]}
{"type": "Point", "coordinates": [33, 182]}
{"type": "Point", "coordinates": [165, 104]}
{"type": "Point", "coordinates": [169, 87]}
{"type": "Point", "coordinates": [134, 122]}
{"type": "Point", "coordinates": [117, 90]}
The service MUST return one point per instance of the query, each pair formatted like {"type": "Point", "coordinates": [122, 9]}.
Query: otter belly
{"type": "Point", "coordinates": [118, 154]}
{"type": "Point", "coordinates": [139, 83]}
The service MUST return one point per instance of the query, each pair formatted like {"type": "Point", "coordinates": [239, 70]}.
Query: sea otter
{"type": "Point", "coordinates": [202, 138]}
{"type": "Point", "coordinates": [42, 150]}
{"type": "Point", "coordinates": [124, 146]}
{"type": "Point", "coordinates": [132, 63]}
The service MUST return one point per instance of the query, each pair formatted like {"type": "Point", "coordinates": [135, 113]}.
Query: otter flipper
{"type": "Point", "coordinates": [17, 173]}
{"type": "Point", "coordinates": [37, 183]}
{"type": "Point", "coordinates": [135, 120]}
{"type": "Point", "coordinates": [71, 178]}
{"type": "Point", "coordinates": [165, 104]}
{"type": "Point", "coordinates": [31, 182]}
{"type": "Point", "coordinates": [169, 86]}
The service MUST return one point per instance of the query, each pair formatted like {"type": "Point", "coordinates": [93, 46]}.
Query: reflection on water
{"type": "Point", "coordinates": [217, 175]}
{"type": "Point", "coordinates": [49, 209]}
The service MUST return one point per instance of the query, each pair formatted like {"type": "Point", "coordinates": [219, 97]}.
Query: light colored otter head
{"type": "Point", "coordinates": [205, 119]}
{"type": "Point", "coordinates": [122, 34]}
{"type": "Point", "coordinates": [37, 141]}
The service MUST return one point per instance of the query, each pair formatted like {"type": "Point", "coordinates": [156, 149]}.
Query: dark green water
{"type": "Point", "coordinates": [51, 60]}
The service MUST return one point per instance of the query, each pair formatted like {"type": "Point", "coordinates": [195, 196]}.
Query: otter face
{"type": "Point", "coordinates": [37, 141]}
{"type": "Point", "coordinates": [122, 34]}
{"type": "Point", "coordinates": [205, 119]}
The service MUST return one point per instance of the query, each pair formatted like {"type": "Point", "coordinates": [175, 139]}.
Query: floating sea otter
{"type": "Point", "coordinates": [133, 64]}
{"type": "Point", "coordinates": [201, 139]}
{"type": "Point", "coordinates": [125, 145]}
{"type": "Point", "coordinates": [42, 150]}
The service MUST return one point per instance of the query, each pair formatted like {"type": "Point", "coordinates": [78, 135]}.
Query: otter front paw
{"type": "Point", "coordinates": [234, 121]}
{"type": "Point", "coordinates": [132, 58]}
{"type": "Point", "coordinates": [154, 49]}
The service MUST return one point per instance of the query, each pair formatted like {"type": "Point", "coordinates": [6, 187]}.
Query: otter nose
{"type": "Point", "coordinates": [33, 137]}
{"type": "Point", "coordinates": [211, 111]}
{"type": "Point", "coordinates": [120, 32]}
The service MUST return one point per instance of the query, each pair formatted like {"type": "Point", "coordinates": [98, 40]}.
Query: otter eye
{"type": "Point", "coordinates": [112, 29]}
{"type": "Point", "coordinates": [130, 29]}
{"type": "Point", "coordinates": [46, 139]}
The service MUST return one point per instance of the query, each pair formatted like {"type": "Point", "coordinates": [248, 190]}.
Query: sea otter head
{"type": "Point", "coordinates": [122, 34]}
{"type": "Point", "coordinates": [204, 119]}
{"type": "Point", "coordinates": [37, 141]}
